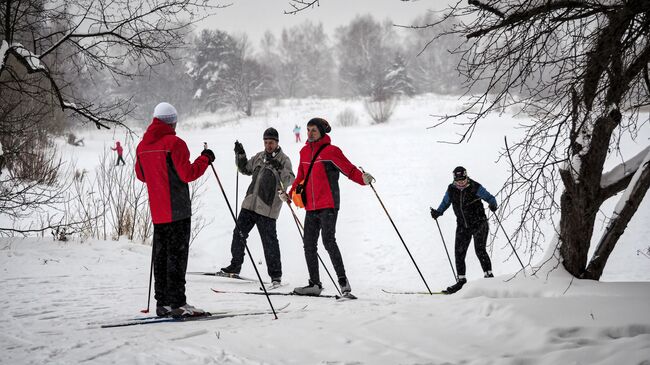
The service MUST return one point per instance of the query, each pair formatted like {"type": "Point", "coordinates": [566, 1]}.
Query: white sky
{"type": "Point", "coordinates": [254, 17]}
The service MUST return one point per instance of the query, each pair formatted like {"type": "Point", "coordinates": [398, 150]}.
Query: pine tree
{"type": "Point", "coordinates": [397, 79]}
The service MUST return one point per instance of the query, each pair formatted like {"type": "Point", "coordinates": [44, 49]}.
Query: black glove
{"type": "Point", "coordinates": [493, 207]}
{"type": "Point", "coordinates": [209, 154]}
{"type": "Point", "coordinates": [239, 148]}
{"type": "Point", "coordinates": [435, 214]}
{"type": "Point", "coordinates": [275, 164]}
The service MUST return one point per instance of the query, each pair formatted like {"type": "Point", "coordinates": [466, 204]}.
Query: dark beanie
{"type": "Point", "coordinates": [322, 125]}
{"type": "Point", "coordinates": [460, 173]}
{"type": "Point", "coordinates": [271, 133]}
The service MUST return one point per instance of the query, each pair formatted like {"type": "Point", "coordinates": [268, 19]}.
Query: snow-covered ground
{"type": "Point", "coordinates": [53, 290]}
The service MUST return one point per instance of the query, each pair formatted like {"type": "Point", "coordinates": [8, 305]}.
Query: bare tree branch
{"type": "Point", "coordinates": [300, 5]}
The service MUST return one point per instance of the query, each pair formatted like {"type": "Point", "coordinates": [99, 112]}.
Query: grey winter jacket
{"type": "Point", "coordinates": [262, 194]}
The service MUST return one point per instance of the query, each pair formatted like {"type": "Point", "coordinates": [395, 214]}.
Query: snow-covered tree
{"type": "Point", "coordinates": [432, 65]}
{"type": "Point", "coordinates": [301, 61]}
{"type": "Point", "coordinates": [364, 51]}
{"type": "Point", "coordinates": [580, 69]}
{"type": "Point", "coordinates": [224, 73]}
{"type": "Point", "coordinates": [214, 61]}
{"type": "Point", "coordinates": [397, 78]}
{"type": "Point", "coordinates": [387, 89]}
{"type": "Point", "coordinates": [245, 83]}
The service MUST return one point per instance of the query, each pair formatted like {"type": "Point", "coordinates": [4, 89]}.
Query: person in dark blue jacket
{"type": "Point", "coordinates": [465, 195]}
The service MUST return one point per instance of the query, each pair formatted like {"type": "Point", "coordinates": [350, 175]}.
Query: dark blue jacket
{"type": "Point", "coordinates": [467, 203]}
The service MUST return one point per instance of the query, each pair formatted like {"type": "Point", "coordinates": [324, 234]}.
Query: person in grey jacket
{"type": "Point", "coordinates": [271, 171]}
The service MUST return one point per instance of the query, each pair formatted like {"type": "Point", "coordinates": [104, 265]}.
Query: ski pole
{"type": "Point", "coordinates": [398, 234]}
{"type": "Point", "coordinates": [510, 242]}
{"type": "Point", "coordinates": [445, 245]}
{"type": "Point", "coordinates": [301, 229]}
{"type": "Point", "coordinates": [236, 186]}
{"type": "Point", "coordinates": [205, 145]}
{"type": "Point", "coordinates": [150, 279]}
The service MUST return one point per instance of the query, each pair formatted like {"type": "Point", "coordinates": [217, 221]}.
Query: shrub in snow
{"type": "Point", "coordinates": [381, 110]}
{"type": "Point", "coordinates": [347, 118]}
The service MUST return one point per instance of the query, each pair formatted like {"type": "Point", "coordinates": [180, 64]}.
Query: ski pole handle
{"type": "Point", "coordinates": [364, 171]}
{"type": "Point", "coordinates": [205, 145]}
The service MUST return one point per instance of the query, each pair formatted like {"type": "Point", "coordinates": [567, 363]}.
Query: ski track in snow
{"type": "Point", "coordinates": [56, 294]}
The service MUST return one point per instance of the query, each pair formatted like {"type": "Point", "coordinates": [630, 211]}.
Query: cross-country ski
{"type": "Point", "coordinates": [205, 317]}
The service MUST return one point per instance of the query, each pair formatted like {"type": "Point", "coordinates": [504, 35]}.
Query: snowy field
{"type": "Point", "coordinates": [55, 293]}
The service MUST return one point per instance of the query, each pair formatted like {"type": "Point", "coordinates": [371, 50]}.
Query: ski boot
{"type": "Point", "coordinates": [163, 310]}
{"type": "Point", "coordinates": [313, 289]}
{"type": "Point", "coordinates": [346, 289]}
{"type": "Point", "coordinates": [230, 271]}
{"type": "Point", "coordinates": [456, 287]}
{"type": "Point", "coordinates": [187, 310]}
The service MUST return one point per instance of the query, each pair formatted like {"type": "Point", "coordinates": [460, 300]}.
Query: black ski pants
{"type": "Point", "coordinates": [119, 158]}
{"type": "Point", "coordinates": [464, 235]}
{"type": "Point", "coordinates": [266, 227]}
{"type": "Point", "coordinates": [316, 221]}
{"type": "Point", "coordinates": [171, 243]}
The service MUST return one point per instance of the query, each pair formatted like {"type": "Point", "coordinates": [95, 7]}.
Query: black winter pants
{"type": "Point", "coordinates": [266, 227]}
{"type": "Point", "coordinates": [171, 242]}
{"type": "Point", "coordinates": [119, 158]}
{"type": "Point", "coordinates": [316, 221]}
{"type": "Point", "coordinates": [463, 237]}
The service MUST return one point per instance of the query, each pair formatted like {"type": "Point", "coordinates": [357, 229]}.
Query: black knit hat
{"type": "Point", "coordinates": [322, 125]}
{"type": "Point", "coordinates": [460, 173]}
{"type": "Point", "coordinates": [271, 133]}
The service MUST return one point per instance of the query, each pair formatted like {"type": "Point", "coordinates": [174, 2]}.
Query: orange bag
{"type": "Point", "coordinates": [298, 196]}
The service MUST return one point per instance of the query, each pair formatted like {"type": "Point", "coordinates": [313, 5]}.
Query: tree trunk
{"type": "Point", "coordinates": [576, 228]}
{"type": "Point", "coordinates": [625, 210]}
{"type": "Point", "coordinates": [583, 195]}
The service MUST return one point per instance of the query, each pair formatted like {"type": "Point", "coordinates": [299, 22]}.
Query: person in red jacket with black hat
{"type": "Point", "coordinates": [322, 201]}
{"type": "Point", "coordinates": [163, 163]}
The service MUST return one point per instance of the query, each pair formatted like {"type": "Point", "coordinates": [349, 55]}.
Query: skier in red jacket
{"type": "Point", "coordinates": [119, 150]}
{"type": "Point", "coordinates": [163, 163]}
{"type": "Point", "coordinates": [322, 203]}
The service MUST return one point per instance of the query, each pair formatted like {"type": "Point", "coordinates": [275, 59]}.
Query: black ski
{"type": "Point", "coordinates": [222, 274]}
{"type": "Point", "coordinates": [415, 292]}
{"type": "Point", "coordinates": [206, 317]}
{"type": "Point", "coordinates": [276, 293]}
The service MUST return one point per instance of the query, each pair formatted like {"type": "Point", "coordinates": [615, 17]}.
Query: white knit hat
{"type": "Point", "coordinates": [165, 112]}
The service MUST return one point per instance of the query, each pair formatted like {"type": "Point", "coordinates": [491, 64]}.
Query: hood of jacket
{"type": "Point", "coordinates": [156, 130]}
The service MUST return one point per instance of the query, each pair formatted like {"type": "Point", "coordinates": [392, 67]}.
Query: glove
{"type": "Point", "coordinates": [239, 148]}
{"type": "Point", "coordinates": [275, 164]}
{"type": "Point", "coordinates": [435, 214]}
{"type": "Point", "coordinates": [493, 207]}
{"type": "Point", "coordinates": [283, 196]}
{"type": "Point", "coordinates": [209, 154]}
{"type": "Point", "coordinates": [368, 179]}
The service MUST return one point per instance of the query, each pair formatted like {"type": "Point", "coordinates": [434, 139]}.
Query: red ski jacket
{"type": "Point", "coordinates": [163, 163]}
{"type": "Point", "coordinates": [323, 185]}
{"type": "Point", "coordinates": [118, 148]}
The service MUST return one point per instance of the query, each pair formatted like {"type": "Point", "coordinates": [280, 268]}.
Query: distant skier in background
{"type": "Point", "coordinates": [119, 150]}
{"type": "Point", "coordinates": [163, 163]}
{"type": "Point", "coordinates": [271, 170]}
{"type": "Point", "coordinates": [322, 201]}
{"type": "Point", "coordinates": [296, 131]}
{"type": "Point", "coordinates": [465, 195]}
